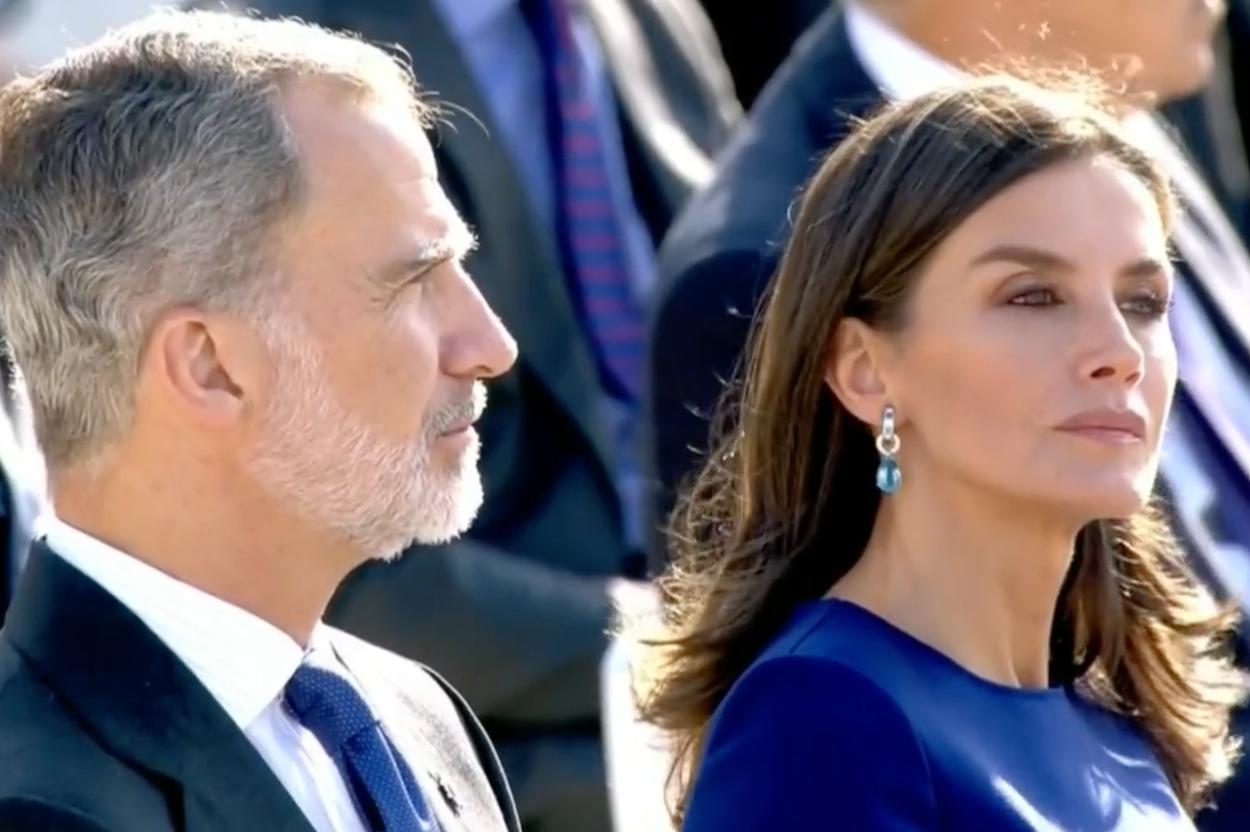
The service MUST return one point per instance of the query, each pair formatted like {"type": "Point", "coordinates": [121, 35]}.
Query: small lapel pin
{"type": "Point", "coordinates": [449, 797]}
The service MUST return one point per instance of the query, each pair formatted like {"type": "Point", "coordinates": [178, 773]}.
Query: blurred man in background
{"type": "Point", "coordinates": [588, 125]}
{"type": "Point", "coordinates": [721, 252]}
{"type": "Point", "coordinates": [1212, 124]}
{"type": "Point", "coordinates": [22, 480]}
{"type": "Point", "coordinates": [757, 40]}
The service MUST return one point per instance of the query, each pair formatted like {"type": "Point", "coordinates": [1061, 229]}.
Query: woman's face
{"type": "Point", "coordinates": [1036, 359]}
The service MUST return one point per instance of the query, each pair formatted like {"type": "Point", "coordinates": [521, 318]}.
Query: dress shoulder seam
{"type": "Point", "coordinates": [806, 633]}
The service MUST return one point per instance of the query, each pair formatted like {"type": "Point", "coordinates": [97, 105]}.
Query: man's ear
{"type": "Point", "coordinates": [855, 369]}
{"type": "Point", "coordinates": [203, 363]}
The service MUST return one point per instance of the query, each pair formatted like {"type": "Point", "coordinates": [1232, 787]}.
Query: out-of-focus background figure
{"type": "Point", "coordinates": [756, 41]}
{"type": "Point", "coordinates": [1211, 121]}
{"type": "Point", "coordinates": [22, 480]}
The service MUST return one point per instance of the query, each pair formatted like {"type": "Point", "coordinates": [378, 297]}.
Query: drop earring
{"type": "Point", "coordinates": [889, 474]}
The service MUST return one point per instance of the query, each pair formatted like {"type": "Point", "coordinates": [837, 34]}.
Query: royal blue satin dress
{"type": "Point", "coordinates": [847, 723]}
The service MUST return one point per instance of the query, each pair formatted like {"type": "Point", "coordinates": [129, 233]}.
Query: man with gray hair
{"type": "Point", "coordinates": [234, 284]}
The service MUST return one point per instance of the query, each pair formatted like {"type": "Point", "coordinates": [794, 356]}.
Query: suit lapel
{"type": "Point", "coordinates": [142, 703]}
{"type": "Point", "coordinates": [518, 267]}
{"type": "Point", "coordinates": [457, 771]}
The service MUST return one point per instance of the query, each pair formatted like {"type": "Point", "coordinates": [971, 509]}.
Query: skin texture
{"type": "Point", "coordinates": [261, 441]}
{"type": "Point", "coordinates": [1046, 303]}
{"type": "Point", "coordinates": [1161, 49]}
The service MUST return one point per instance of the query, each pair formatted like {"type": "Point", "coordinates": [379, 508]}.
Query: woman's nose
{"type": "Point", "coordinates": [1111, 349]}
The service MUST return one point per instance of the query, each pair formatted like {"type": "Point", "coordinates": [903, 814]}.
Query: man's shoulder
{"type": "Point", "coordinates": [361, 655]}
{"type": "Point", "coordinates": [811, 103]}
{"type": "Point", "coordinates": [426, 698]}
{"type": "Point", "coordinates": [54, 773]}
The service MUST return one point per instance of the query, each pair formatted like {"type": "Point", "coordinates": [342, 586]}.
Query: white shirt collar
{"type": "Point", "coordinates": [243, 660]}
{"type": "Point", "coordinates": [900, 67]}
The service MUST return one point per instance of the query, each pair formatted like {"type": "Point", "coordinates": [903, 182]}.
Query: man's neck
{"type": "Point", "coordinates": [253, 556]}
{"type": "Point", "coordinates": [921, 50]}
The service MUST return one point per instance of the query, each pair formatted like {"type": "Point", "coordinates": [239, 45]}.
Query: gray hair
{"type": "Point", "coordinates": [146, 171]}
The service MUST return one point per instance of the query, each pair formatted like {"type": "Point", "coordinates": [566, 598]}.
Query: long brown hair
{"type": "Point", "coordinates": [785, 503]}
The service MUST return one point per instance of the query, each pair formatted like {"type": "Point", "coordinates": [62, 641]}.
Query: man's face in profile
{"type": "Point", "coordinates": [1163, 47]}
{"type": "Point", "coordinates": [382, 341]}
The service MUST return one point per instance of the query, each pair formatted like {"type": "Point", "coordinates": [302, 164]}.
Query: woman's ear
{"type": "Point", "coordinates": [854, 369]}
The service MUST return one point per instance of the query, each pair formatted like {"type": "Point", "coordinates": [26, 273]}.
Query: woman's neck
{"type": "Point", "coordinates": [974, 577]}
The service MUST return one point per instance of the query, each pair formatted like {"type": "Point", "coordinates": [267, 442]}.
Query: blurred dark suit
{"type": "Point", "coordinates": [755, 44]}
{"type": "Point", "coordinates": [722, 250]}
{"type": "Point", "coordinates": [724, 247]}
{"type": "Point", "coordinates": [1213, 123]}
{"type": "Point", "coordinates": [1238, 30]}
{"type": "Point", "coordinates": [516, 615]}
{"type": "Point", "coordinates": [19, 485]}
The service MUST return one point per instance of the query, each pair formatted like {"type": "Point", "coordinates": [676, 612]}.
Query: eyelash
{"type": "Point", "coordinates": [1155, 307]}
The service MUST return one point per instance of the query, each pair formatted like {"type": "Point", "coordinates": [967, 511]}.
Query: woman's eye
{"type": "Point", "coordinates": [1146, 306]}
{"type": "Point", "coordinates": [1034, 297]}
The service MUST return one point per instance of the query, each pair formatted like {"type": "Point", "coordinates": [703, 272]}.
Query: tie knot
{"type": "Point", "coordinates": [328, 704]}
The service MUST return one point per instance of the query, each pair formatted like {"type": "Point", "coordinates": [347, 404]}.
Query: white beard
{"type": "Point", "coordinates": [331, 468]}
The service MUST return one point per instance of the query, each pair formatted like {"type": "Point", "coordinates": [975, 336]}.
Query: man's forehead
{"type": "Point", "coordinates": [329, 123]}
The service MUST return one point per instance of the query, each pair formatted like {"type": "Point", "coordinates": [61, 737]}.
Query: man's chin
{"type": "Point", "coordinates": [448, 522]}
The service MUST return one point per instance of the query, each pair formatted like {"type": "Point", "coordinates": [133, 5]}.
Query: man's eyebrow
{"type": "Point", "coordinates": [457, 244]}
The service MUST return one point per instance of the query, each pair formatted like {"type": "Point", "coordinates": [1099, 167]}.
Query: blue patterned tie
{"type": "Point", "coordinates": [385, 792]}
{"type": "Point", "coordinates": [590, 230]}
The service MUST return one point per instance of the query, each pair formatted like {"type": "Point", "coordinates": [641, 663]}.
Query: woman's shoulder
{"type": "Point", "coordinates": [839, 637]}
{"type": "Point", "coordinates": [827, 670]}
{"type": "Point", "coordinates": [802, 732]}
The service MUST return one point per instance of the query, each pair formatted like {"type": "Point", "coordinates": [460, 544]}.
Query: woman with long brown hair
{"type": "Point", "coordinates": [920, 584]}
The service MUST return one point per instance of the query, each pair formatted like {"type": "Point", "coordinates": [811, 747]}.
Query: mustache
{"type": "Point", "coordinates": [467, 409]}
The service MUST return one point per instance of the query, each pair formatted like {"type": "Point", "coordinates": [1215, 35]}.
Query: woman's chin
{"type": "Point", "coordinates": [1089, 504]}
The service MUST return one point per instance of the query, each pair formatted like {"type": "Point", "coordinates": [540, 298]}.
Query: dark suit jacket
{"type": "Point", "coordinates": [1238, 30]}
{"type": "Point", "coordinates": [726, 244]}
{"type": "Point", "coordinates": [1214, 122]}
{"type": "Point", "coordinates": [18, 502]}
{"type": "Point", "coordinates": [755, 44]}
{"type": "Point", "coordinates": [102, 728]}
{"type": "Point", "coordinates": [516, 614]}
{"type": "Point", "coordinates": [721, 252]}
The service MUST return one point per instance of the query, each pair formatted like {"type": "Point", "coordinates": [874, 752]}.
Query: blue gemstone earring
{"type": "Point", "coordinates": [889, 475]}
